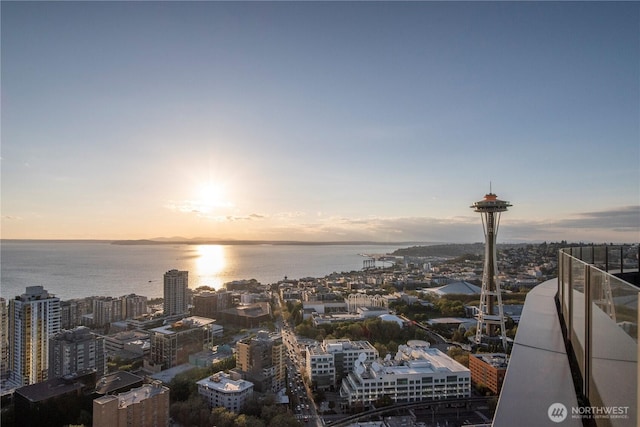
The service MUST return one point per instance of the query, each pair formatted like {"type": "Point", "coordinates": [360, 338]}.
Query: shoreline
{"type": "Point", "coordinates": [228, 242]}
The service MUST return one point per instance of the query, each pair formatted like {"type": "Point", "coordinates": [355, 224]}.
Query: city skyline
{"type": "Point", "coordinates": [312, 121]}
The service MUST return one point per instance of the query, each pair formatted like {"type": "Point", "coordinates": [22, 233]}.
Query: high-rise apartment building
{"type": "Point", "coordinates": [34, 317]}
{"type": "Point", "coordinates": [262, 360]}
{"type": "Point", "coordinates": [175, 292]}
{"type": "Point", "coordinates": [4, 339]}
{"type": "Point", "coordinates": [73, 310]}
{"type": "Point", "coordinates": [106, 310]}
{"type": "Point", "coordinates": [133, 306]}
{"type": "Point", "coordinates": [74, 351]}
{"type": "Point", "coordinates": [146, 406]}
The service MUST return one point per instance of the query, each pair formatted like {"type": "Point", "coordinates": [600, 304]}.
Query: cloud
{"type": "Point", "coordinates": [199, 208]}
{"type": "Point", "coordinates": [616, 225]}
{"type": "Point", "coordinates": [12, 218]}
{"type": "Point", "coordinates": [626, 218]}
{"type": "Point", "coordinates": [423, 229]}
{"type": "Point", "coordinates": [613, 225]}
{"type": "Point", "coordinates": [250, 217]}
{"type": "Point", "coordinates": [289, 215]}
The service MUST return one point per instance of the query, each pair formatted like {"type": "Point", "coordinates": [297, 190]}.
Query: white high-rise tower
{"type": "Point", "coordinates": [490, 296]}
{"type": "Point", "coordinates": [34, 317]}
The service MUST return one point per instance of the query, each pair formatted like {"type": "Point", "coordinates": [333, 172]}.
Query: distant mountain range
{"type": "Point", "coordinates": [209, 241]}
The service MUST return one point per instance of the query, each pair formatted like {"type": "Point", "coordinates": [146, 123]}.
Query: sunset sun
{"type": "Point", "coordinates": [210, 196]}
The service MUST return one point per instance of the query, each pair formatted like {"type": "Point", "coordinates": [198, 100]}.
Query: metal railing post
{"type": "Point", "coordinates": [587, 330]}
{"type": "Point", "coordinates": [569, 318]}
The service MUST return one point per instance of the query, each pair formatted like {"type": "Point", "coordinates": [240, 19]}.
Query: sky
{"type": "Point", "coordinates": [320, 121]}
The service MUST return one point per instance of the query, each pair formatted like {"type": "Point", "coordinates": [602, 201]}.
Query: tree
{"type": "Point", "coordinates": [459, 355]}
{"type": "Point", "coordinates": [356, 331]}
{"type": "Point", "coordinates": [458, 336]}
{"type": "Point", "coordinates": [382, 349]}
{"type": "Point", "coordinates": [384, 400]}
{"type": "Point", "coordinates": [222, 417]}
{"type": "Point", "coordinates": [252, 407]}
{"type": "Point", "coordinates": [483, 389]}
{"type": "Point", "coordinates": [182, 388]}
{"type": "Point", "coordinates": [244, 420]}
{"type": "Point", "coordinates": [191, 412]}
{"type": "Point", "coordinates": [269, 412]}
{"type": "Point", "coordinates": [284, 420]}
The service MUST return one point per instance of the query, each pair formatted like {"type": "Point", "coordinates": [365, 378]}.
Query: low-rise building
{"type": "Point", "coordinates": [207, 358]}
{"type": "Point", "coordinates": [137, 342]}
{"type": "Point", "coordinates": [324, 307]}
{"type": "Point", "coordinates": [146, 406]}
{"type": "Point", "coordinates": [210, 304]}
{"type": "Point", "coordinates": [488, 369]}
{"type": "Point", "coordinates": [247, 316]}
{"type": "Point", "coordinates": [229, 391]}
{"type": "Point", "coordinates": [318, 319]}
{"type": "Point", "coordinates": [328, 362]}
{"type": "Point", "coordinates": [460, 287]}
{"type": "Point", "coordinates": [417, 373]}
{"type": "Point", "coordinates": [40, 404]}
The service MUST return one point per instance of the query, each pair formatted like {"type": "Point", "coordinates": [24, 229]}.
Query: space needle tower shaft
{"type": "Point", "coordinates": [490, 209]}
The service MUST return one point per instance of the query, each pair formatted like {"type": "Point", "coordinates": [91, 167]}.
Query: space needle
{"type": "Point", "coordinates": [490, 209]}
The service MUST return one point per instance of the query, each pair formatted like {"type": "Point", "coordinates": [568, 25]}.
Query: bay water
{"type": "Point", "coordinates": [81, 269]}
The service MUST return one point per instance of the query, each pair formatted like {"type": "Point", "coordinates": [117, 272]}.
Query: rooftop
{"type": "Point", "coordinates": [417, 356]}
{"type": "Point", "coordinates": [117, 381]}
{"type": "Point", "coordinates": [223, 383]}
{"type": "Point", "coordinates": [333, 345]}
{"type": "Point", "coordinates": [252, 310]}
{"type": "Point", "coordinates": [34, 293]}
{"type": "Point", "coordinates": [455, 288]}
{"type": "Point", "coordinates": [184, 324]}
{"type": "Point", "coordinates": [48, 389]}
{"type": "Point", "coordinates": [497, 360]}
{"type": "Point", "coordinates": [168, 374]}
{"type": "Point", "coordinates": [81, 333]}
{"type": "Point", "coordinates": [135, 395]}
{"type": "Point", "coordinates": [132, 335]}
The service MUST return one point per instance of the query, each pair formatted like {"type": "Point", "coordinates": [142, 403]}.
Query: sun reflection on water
{"type": "Point", "coordinates": [210, 264]}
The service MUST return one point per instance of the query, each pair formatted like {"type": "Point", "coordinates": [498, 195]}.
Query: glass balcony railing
{"type": "Point", "coordinates": [599, 305]}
